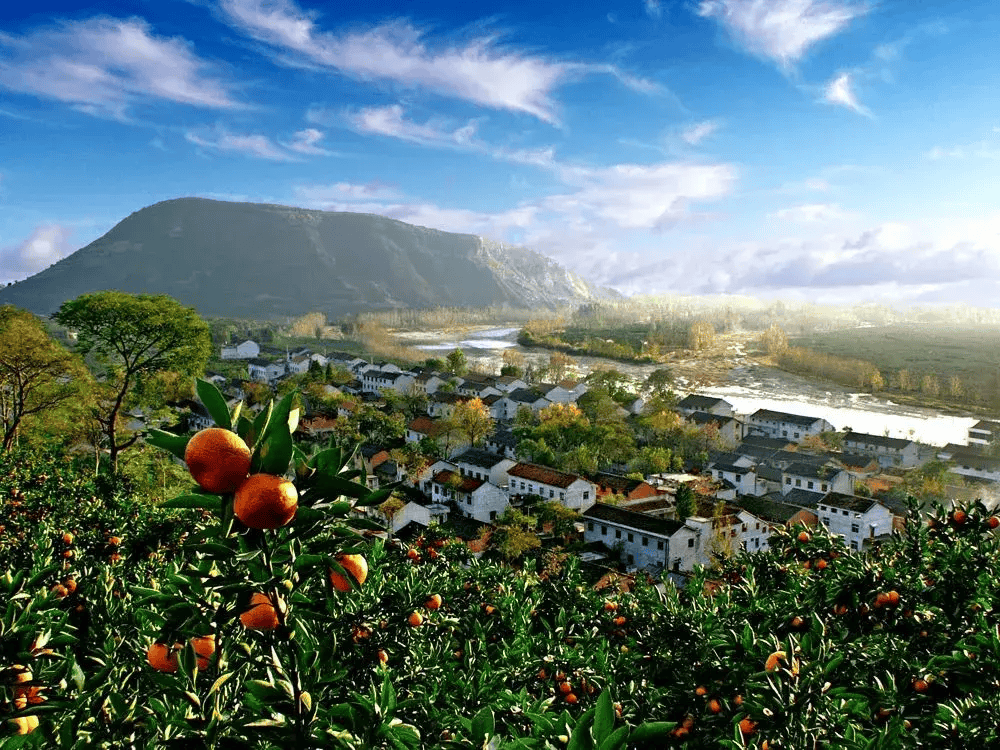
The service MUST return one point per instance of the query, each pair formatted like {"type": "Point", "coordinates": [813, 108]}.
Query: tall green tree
{"type": "Point", "coordinates": [685, 502]}
{"type": "Point", "coordinates": [126, 337]}
{"type": "Point", "coordinates": [36, 373]}
{"type": "Point", "coordinates": [457, 363]}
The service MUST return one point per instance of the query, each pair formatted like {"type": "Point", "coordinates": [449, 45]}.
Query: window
{"type": "Point", "coordinates": [744, 528]}
{"type": "Point", "coordinates": [493, 515]}
{"type": "Point", "coordinates": [618, 533]}
{"type": "Point", "coordinates": [855, 528]}
{"type": "Point", "coordinates": [798, 482]}
{"type": "Point", "coordinates": [844, 512]}
{"type": "Point", "coordinates": [631, 537]}
{"type": "Point", "coordinates": [468, 500]}
{"type": "Point", "coordinates": [586, 494]}
{"type": "Point", "coordinates": [562, 495]}
{"type": "Point", "coordinates": [645, 541]}
{"type": "Point", "coordinates": [809, 485]}
{"type": "Point", "coordinates": [823, 487]}
{"type": "Point", "coordinates": [691, 542]}
{"type": "Point", "coordinates": [590, 525]}
{"type": "Point", "coordinates": [631, 559]}
{"type": "Point", "coordinates": [854, 545]}
{"type": "Point", "coordinates": [788, 480]}
{"type": "Point", "coordinates": [552, 493]}
{"type": "Point", "coordinates": [659, 545]}
{"type": "Point", "coordinates": [796, 434]}
{"type": "Point", "coordinates": [826, 520]}
{"type": "Point", "coordinates": [604, 530]}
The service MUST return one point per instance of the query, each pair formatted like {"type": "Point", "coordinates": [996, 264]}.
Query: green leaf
{"type": "Point", "coordinates": [222, 680]}
{"type": "Point", "coordinates": [651, 730]}
{"type": "Point", "coordinates": [195, 500]}
{"type": "Point", "coordinates": [276, 450]}
{"type": "Point", "coordinates": [168, 441]}
{"type": "Point", "coordinates": [615, 740]}
{"type": "Point", "coordinates": [604, 717]}
{"type": "Point", "coordinates": [215, 403]}
{"type": "Point", "coordinates": [387, 698]}
{"type": "Point", "coordinates": [76, 674]}
{"type": "Point", "coordinates": [483, 725]}
{"type": "Point", "coordinates": [293, 420]}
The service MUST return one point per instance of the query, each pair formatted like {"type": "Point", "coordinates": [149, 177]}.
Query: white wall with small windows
{"type": "Point", "coordinates": [853, 524]}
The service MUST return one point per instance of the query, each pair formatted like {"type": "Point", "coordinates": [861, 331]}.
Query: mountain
{"type": "Point", "coordinates": [254, 260]}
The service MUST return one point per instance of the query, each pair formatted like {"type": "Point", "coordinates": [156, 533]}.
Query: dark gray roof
{"type": "Point", "coordinates": [703, 417]}
{"type": "Point", "coordinates": [768, 509]}
{"type": "Point", "coordinates": [503, 436]}
{"type": "Point", "coordinates": [769, 473]}
{"type": "Point", "coordinates": [847, 502]}
{"type": "Point", "coordinates": [478, 457]}
{"type": "Point", "coordinates": [882, 440]}
{"type": "Point", "coordinates": [986, 426]}
{"type": "Point", "coordinates": [525, 395]}
{"type": "Point", "coordinates": [700, 403]}
{"type": "Point", "coordinates": [765, 442]}
{"type": "Point", "coordinates": [854, 459]}
{"type": "Point", "coordinates": [811, 469]}
{"type": "Point", "coordinates": [802, 498]}
{"type": "Point", "coordinates": [733, 468]}
{"type": "Point", "coordinates": [614, 514]}
{"type": "Point", "coordinates": [780, 416]}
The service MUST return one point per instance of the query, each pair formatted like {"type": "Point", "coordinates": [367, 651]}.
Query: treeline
{"type": "Point", "coordinates": [855, 373]}
{"type": "Point", "coordinates": [447, 317]}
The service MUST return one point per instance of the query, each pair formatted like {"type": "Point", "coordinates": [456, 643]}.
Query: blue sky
{"type": "Point", "coordinates": [829, 150]}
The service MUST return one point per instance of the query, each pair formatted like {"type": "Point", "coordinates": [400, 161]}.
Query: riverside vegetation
{"type": "Point", "coordinates": [208, 622]}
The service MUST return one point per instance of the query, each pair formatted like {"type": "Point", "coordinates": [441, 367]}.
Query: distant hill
{"type": "Point", "coordinates": [257, 260]}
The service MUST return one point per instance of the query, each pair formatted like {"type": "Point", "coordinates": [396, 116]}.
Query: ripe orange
{"type": "Point", "coordinates": [114, 541]}
{"type": "Point", "coordinates": [24, 697]}
{"type": "Point", "coordinates": [67, 538]}
{"type": "Point", "coordinates": [920, 685]}
{"type": "Point", "coordinates": [893, 598]}
{"type": "Point", "coordinates": [772, 661]}
{"type": "Point", "coordinates": [701, 690]}
{"type": "Point", "coordinates": [959, 517]}
{"type": "Point", "coordinates": [804, 536]}
{"type": "Point", "coordinates": [24, 724]}
{"type": "Point", "coordinates": [21, 674]}
{"type": "Point", "coordinates": [571, 697]}
{"type": "Point", "coordinates": [204, 647]}
{"type": "Point", "coordinates": [261, 615]}
{"type": "Point", "coordinates": [265, 501]}
{"type": "Point", "coordinates": [218, 460]}
{"type": "Point", "coordinates": [542, 674]}
{"type": "Point", "coordinates": [67, 553]}
{"type": "Point", "coordinates": [881, 599]}
{"type": "Point", "coordinates": [738, 700]}
{"type": "Point", "coordinates": [840, 609]}
{"type": "Point", "coordinates": [610, 606]}
{"type": "Point", "coordinates": [565, 688]}
{"type": "Point", "coordinates": [162, 657]}
{"type": "Point", "coordinates": [993, 522]}
{"type": "Point", "coordinates": [714, 706]}
{"type": "Point", "coordinates": [355, 566]}
{"type": "Point", "coordinates": [797, 622]}
{"type": "Point", "coordinates": [821, 563]}
{"type": "Point", "coordinates": [415, 620]}
{"type": "Point", "coordinates": [620, 620]}
{"type": "Point", "coordinates": [414, 555]}
{"type": "Point", "coordinates": [70, 584]}
{"type": "Point", "coordinates": [434, 602]}
{"type": "Point", "coordinates": [748, 726]}
{"type": "Point", "coordinates": [490, 609]}
{"type": "Point", "coordinates": [60, 591]}
{"type": "Point", "coordinates": [383, 657]}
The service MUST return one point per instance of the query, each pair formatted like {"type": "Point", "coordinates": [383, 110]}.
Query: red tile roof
{"type": "Point", "coordinates": [468, 483]}
{"type": "Point", "coordinates": [425, 425]}
{"type": "Point", "coordinates": [542, 474]}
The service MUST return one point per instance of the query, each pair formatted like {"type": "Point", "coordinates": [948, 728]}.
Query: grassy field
{"type": "Point", "coordinates": [970, 352]}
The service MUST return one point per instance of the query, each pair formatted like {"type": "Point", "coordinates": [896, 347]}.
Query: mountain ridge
{"type": "Point", "coordinates": [266, 260]}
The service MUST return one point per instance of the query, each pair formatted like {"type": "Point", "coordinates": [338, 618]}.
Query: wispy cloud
{"type": "Point", "coordinates": [696, 133]}
{"type": "Point", "coordinates": [104, 65]}
{"type": "Point", "coordinates": [983, 150]}
{"type": "Point", "coordinates": [46, 244]}
{"type": "Point", "coordinates": [338, 193]}
{"type": "Point", "coordinates": [812, 213]}
{"type": "Point", "coordinates": [479, 71]}
{"type": "Point", "coordinates": [306, 142]}
{"type": "Point", "coordinates": [220, 139]}
{"type": "Point", "coordinates": [782, 30]}
{"type": "Point", "coordinates": [840, 91]}
{"type": "Point", "coordinates": [653, 8]}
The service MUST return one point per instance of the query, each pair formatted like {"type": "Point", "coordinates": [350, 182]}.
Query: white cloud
{"type": "Point", "coordinates": [339, 192]}
{"type": "Point", "coordinates": [840, 91]}
{"type": "Point", "coordinates": [782, 30]}
{"type": "Point", "coordinates": [304, 142]}
{"type": "Point", "coordinates": [698, 132]}
{"type": "Point", "coordinates": [104, 65]}
{"type": "Point", "coordinates": [479, 71]}
{"type": "Point", "coordinates": [980, 150]}
{"type": "Point", "coordinates": [220, 139]}
{"type": "Point", "coordinates": [47, 244]}
{"type": "Point", "coordinates": [812, 213]}
{"type": "Point", "coordinates": [653, 8]}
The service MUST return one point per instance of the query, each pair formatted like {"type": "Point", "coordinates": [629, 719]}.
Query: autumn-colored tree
{"type": "Point", "coordinates": [774, 340]}
{"type": "Point", "coordinates": [36, 373]}
{"type": "Point", "coordinates": [514, 363]}
{"type": "Point", "coordinates": [472, 419]}
{"type": "Point", "coordinates": [559, 365]}
{"type": "Point", "coordinates": [701, 334]}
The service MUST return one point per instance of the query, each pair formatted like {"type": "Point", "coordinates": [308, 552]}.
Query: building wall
{"type": "Point", "coordinates": [835, 520]}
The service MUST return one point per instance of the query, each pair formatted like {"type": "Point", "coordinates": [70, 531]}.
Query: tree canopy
{"type": "Point", "coordinates": [128, 336]}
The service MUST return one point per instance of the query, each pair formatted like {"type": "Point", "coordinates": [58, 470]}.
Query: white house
{"type": "Point", "coordinates": [508, 383]}
{"type": "Point", "coordinates": [480, 464]}
{"type": "Point", "coordinates": [476, 498]}
{"type": "Point", "coordinates": [245, 350]}
{"type": "Point", "coordinates": [443, 404]}
{"type": "Point", "coordinates": [563, 392]}
{"type": "Point", "coordinates": [642, 542]}
{"type": "Point", "coordinates": [983, 432]}
{"type": "Point", "coordinates": [968, 464]}
{"type": "Point", "coordinates": [476, 384]}
{"type": "Point", "coordinates": [854, 518]}
{"type": "Point", "coordinates": [734, 528]}
{"type": "Point", "coordinates": [889, 451]}
{"type": "Point", "coordinates": [509, 404]}
{"type": "Point", "coordinates": [298, 364]}
{"type": "Point", "coordinates": [779, 424]}
{"type": "Point", "coordinates": [423, 511]}
{"type": "Point", "coordinates": [533, 479]}
{"type": "Point", "coordinates": [707, 404]}
{"type": "Point", "coordinates": [265, 371]}
{"type": "Point", "coordinates": [815, 477]}
{"type": "Point", "coordinates": [739, 471]}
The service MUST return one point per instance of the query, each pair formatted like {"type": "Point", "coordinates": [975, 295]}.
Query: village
{"type": "Point", "coordinates": [767, 469]}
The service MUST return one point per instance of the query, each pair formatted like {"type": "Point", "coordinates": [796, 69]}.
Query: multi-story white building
{"type": "Point", "coordinates": [707, 404]}
{"type": "Point", "coordinates": [642, 542]}
{"type": "Point", "coordinates": [480, 464]}
{"type": "Point", "coordinates": [732, 530]}
{"type": "Point", "coordinates": [246, 350]}
{"type": "Point", "coordinates": [779, 424]}
{"type": "Point", "coordinates": [476, 498]}
{"type": "Point", "coordinates": [855, 519]}
{"type": "Point", "coordinates": [983, 433]}
{"type": "Point", "coordinates": [533, 479]}
{"type": "Point", "coordinates": [888, 451]}
{"type": "Point", "coordinates": [817, 478]}
{"type": "Point", "coordinates": [265, 371]}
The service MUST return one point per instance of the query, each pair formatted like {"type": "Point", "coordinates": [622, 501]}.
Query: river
{"type": "Point", "coordinates": [749, 387]}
